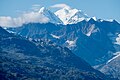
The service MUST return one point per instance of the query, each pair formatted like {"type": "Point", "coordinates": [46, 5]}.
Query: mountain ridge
{"type": "Point", "coordinates": [75, 35]}
{"type": "Point", "coordinates": [37, 59]}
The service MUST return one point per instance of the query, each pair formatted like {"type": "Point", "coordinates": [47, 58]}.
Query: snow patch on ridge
{"type": "Point", "coordinates": [110, 20]}
{"type": "Point", "coordinates": [71, 43]}
{"type": "Point", "coordinates": [118, 40]}
{"type": "Point", "coordinates": [54, 36]}
{"type": "Point", "coordinates": [88, 31]}
{"type": "Point", "coordinates": [117, 54]}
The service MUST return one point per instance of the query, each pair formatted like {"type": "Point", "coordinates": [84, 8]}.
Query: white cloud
{"type": "Point", "coordinates": [6, 21]}
{"type": "Point", "coordinates": [60, 6]}
{"type": "Point", "coordinates": [36, 7]}
{"type": "Point", "coordinates": [33, 17]}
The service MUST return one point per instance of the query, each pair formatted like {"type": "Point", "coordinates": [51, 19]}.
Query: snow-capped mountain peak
{"type": "Point", "coordinates": [94, 18]}
{"type": "Point", "coordinates": [41, 9]}
{"type": "Point", "coordinates": [70, 16]}
{"type": "Point", "coordinates": [50, 15]}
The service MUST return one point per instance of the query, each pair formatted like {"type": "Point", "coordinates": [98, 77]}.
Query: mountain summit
{"type": "Point", "coordinates": [70, 16]}
{"type": "Point", "coordinates": [51, 16]}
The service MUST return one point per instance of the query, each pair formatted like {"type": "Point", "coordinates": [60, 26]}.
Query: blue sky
{"type": "Point", "coordinates": [104, 9]}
